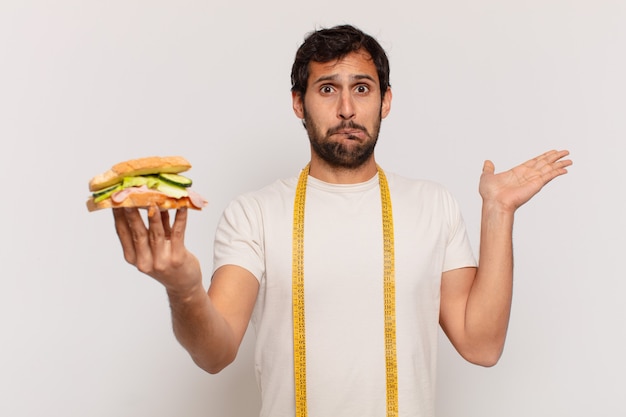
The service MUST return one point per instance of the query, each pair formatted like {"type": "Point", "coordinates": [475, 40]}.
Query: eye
{"type": "Point", "coordinates": [362, 89]}
{"type": "Point", "coordinates": [326, 89]}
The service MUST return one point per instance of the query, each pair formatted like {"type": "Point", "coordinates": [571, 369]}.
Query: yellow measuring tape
{"type": "Point", "coordinates": [299, 337]}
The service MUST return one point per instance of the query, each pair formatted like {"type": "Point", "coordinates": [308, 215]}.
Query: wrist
{"type": "Point", "coordinates": [185, 294]}
{"type": "Point", "coordinates": [498, 208]}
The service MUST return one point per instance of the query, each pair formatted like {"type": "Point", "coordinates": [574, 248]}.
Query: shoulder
{"type": "Point", "coordinates": [402, 184]}
{"type": "Point", "coordinates": [425, 196]}
{"type": "Point", "coordinates": [276, 194]}
{"type": "Point", "coordinates": [277, 189]}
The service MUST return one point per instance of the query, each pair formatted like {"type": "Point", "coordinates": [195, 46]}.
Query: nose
{"type": "Point", "coordinates": [346, 106]}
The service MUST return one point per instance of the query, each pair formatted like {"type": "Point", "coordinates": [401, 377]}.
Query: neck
{"type": "Point", "coordinates": [339, 175]}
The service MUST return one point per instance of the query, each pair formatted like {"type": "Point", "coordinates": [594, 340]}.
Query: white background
{"type": "Point", "coordinates": [86, 84]}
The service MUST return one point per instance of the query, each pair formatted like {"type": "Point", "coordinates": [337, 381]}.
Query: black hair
{"type": "Point", "coordinates": [325, 45]}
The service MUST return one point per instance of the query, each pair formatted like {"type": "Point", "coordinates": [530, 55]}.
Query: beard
{"type": "Point", "coordinates": [340, 154]}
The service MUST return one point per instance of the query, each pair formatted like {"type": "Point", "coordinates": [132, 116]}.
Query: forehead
{"type": "Point", "coordinates": [357, 64]}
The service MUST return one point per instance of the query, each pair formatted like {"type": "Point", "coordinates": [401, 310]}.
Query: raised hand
{"type": "Point", "coordinates": [159, 249]}
{"type": "Point", "coordinates": [511, 189]}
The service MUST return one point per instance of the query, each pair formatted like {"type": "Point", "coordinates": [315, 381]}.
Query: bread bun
{"type": "Point", "coordinates": [143, 199]}
{"type": "Point", "coordinates": [141, 166]}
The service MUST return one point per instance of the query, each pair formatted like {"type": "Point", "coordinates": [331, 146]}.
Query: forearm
{"type": "Point", "coordinates": [201, 330]}
{"type": "Point", "coordinates": [489, 302]}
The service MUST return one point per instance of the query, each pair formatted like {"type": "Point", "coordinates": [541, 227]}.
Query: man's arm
{"type": "Point", "coordinates": [209, 325]}
{"type": "Point", "coordinates": [476, 302]}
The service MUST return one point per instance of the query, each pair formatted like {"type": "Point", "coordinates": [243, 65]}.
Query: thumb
{"type": "Point", "coordinates": [488, 167]}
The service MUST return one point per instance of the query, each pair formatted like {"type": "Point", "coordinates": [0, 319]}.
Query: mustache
{"type": "Point", "coordinates": [349, 125]}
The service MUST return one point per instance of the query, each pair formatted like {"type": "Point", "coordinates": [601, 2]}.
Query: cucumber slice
{"type": "Point", "coordinates": [176, 179]}
{"type": "Point", "coordinates": [106, 193]}
{"type": "Point", "coordinates": [139, 181]}
{"type": "Point", "coordinates": [172, 190]}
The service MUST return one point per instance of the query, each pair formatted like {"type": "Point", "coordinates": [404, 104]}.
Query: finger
{"type": "Point", "coordinates": [540, 161]}
{"type": "Point", "coordinates": [156, 229]}
{"type": "Point", "coordinates": [554, 160]}
{"type": "Point", "coordinates": [178, 232]}
{"type": "Point", "coordinates": [165, 221]}
{"type": "Point", "coordinates": [559, 168]}
{"type": "Point", "coordinates": [488, 167]}
{"type": "Point", "coordinates": [139, 234]}
{"type": "Point", "coordinates": [177, 238]}
{"type": "Point", "coordinates": [552, 156]}
{"type": "Point", "coordinates": [555, 165]}
{"type": "Point", "coordinates": [561, 154]}
{"type": "Point", "coordinates": [549, 165]}
{"type": "Point", "coordinates": [560, 163]}
{"type": "Point", "coordinates": [125, 235]}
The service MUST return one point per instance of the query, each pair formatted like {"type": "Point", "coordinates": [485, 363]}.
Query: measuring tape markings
{"type": "Point", "coordinates": [299, 333]}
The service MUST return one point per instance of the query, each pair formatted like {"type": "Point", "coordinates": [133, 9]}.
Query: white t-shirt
{"type": "Point", "coordinates": [343, 276]}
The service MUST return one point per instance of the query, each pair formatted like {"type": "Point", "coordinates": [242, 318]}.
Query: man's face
{"type": "Point", "coordinates": [342, 109]}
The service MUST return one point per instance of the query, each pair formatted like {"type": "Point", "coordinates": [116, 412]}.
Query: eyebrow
{"type": "Point", "coordinates": [334, 77]}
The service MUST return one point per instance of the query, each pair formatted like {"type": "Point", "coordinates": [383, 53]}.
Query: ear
{"type": "Point", "coordinates": [386, 104]}
{"type": "Point", "coordinates": [297, 104]}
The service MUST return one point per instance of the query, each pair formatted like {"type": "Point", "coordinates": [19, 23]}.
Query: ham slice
{"type": "Point", "coordinates": [196, 199]}
{"type": "Point", "coordinates": [121, 195]}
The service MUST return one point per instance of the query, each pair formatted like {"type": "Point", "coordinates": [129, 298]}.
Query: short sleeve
{"type": "Point", "coordinates": [459, 252]}
{"type": "Point", "coordinates": [239, 237]}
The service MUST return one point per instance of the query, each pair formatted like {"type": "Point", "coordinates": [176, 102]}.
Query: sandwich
{"type": "Point", "coordinates": [144, 183]}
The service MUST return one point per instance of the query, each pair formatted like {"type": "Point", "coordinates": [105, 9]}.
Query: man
{"type": "Point", "coordinates": [345, 271]}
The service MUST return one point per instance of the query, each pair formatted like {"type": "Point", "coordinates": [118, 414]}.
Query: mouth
{"type": "Point", "coordinates": [350, 133]}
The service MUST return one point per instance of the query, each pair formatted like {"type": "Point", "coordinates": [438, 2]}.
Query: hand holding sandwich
{"type": "Point", "coordinates": [154, 183]}
{"type": "Point", "coordinates": [159, 249]}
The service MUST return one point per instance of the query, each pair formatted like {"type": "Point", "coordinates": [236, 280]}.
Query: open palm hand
{"type": "Point", "coordinates": [511, 189]}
